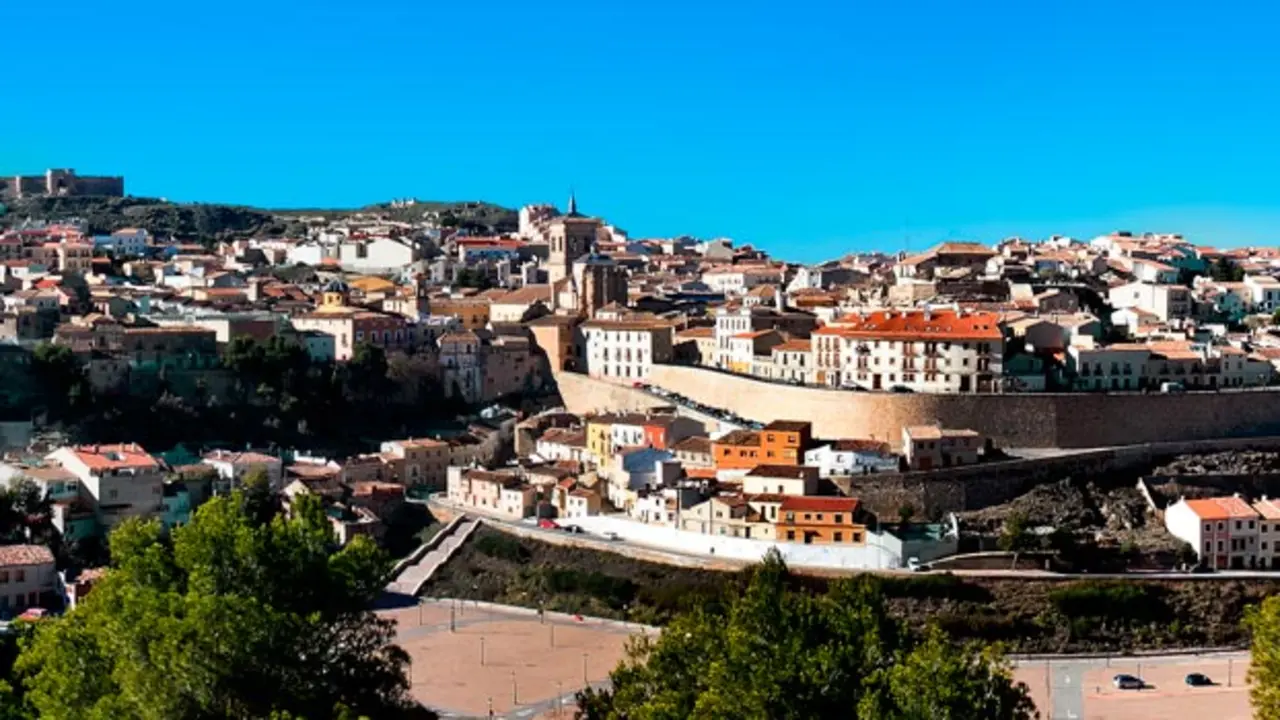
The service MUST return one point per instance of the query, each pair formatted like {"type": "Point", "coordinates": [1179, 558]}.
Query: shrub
{"type": "Point", "coordinates": [501, 547]}
{"type": "Point", "coordinates": [1109, 599]}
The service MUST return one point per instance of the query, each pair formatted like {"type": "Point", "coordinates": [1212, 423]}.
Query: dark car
{"type": "Point", "coordinates": [900, 389]}
{"type": "Point", "coordinates": [1198, 680]}
{"type": "Point", "coordinates": [575, 529]}
{"type": "Point", "coordinates": [1128, 682]}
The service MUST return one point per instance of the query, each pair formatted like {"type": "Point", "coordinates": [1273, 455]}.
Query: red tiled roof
{"type": "Point", "coordinates": [104, 457]}
{"type": "Point", "coordinates": [11, 555]}
{"type": "Point", "coordinates": [1221, 508]}
{"type": "Point", "coordinates": [917, 325]}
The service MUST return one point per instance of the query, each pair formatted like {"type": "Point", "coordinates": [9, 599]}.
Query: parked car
{"type": "Point", "coordinates": [900, 389]}
{"type": "Point", "coordinates": [1128, 682]}
{"type": "Point", "coordinates": [1197, 680]}
{"type": "Point", "coordinates": [546, 524]}
{"type": "Point", "coordinates": [575, 529]}
{"type": "Point", "coordinates": [913, 564]}
{"type": "Point", "coordinates": [610, 535]}
{"type": "Point", "coordinates": [1172, 388]}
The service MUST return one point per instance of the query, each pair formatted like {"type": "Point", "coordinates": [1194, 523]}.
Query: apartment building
{"type": "Point", "coordinates": [1137, 366]}
{"type": "Point", "coordinates": [937, 351]}
{"type": "Point", "coordinates": [821, 520]}
{"type": "Point", "coordinates": [780, 480]}
{"type": "Point", "coordinates": [419, 461]}
{"type": "Point", "coordinates": [118, 481]}
{"type": "Point", "coordinates": [498, 493]}
{"type": "Point", "coordinates": [1224, 531]}
{"type": "Point", "coordinates": [625, 350]}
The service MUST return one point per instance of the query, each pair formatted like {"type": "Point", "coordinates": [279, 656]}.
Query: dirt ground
{"type": "Point", "coordinates": [527, 665]}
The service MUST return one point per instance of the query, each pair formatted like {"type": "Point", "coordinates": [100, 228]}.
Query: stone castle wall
{"type": "Point", "coordinates": [1082, 420]}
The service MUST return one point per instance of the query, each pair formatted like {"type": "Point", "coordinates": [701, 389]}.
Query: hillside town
{"type": "Point", "coordinates": [492, 324]}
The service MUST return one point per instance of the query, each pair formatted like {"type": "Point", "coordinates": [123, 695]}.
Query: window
{"type": "Point", "coordinates": [19, 575]}
{"type": "Point", "coordinates": [1208, 527]}
{"type": "Point", "coordinates": [839, 537]}
{"type": "Point", "coordinates": [1250, 524]}
{"type": "Point", "coordinates": [4, 577]}
{"type": "Point", "coordinates": [819, 517]}
{"type": "Point", "coordinates": [807, 516]}
{"type": "Point", "coordinates": [855, 537]}
{"type": "Point", "coordinates": [1208, 546]}
{"type": "Point", "coordinates": [1238, 524]}
{"type": "Point", "coordinates": [1221, 527]}
{"type": "Point", "coordinates": [839, 518]}
{"type": "Point", "coordinates": [791, 534]}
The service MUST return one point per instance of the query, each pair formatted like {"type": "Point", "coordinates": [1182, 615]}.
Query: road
{"type": "Point", "coordinates": [683, 558]}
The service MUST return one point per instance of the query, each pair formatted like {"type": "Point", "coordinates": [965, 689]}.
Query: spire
{"type": "Point", "coordinates": [573, 203]}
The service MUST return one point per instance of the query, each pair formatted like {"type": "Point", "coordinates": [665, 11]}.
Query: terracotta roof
{"type": "Point", "coordinates": [917, 325]}
{"type": "Point", "coordinates": [788, 426]}
{"type": "Point", "coordinates": [1222, 508]}
{"type": "Point", "coordinates": [12, 555]}
{"type": "Point", "coordinates": [694, 444]}
{"type": "Point", "coordinates": [794, 346]}
{"type": "Point", "coordinates": [696, 332]}
{"type": "Point", "coordinates": [700, 473]}
{"type": "Point", "coordinates": [740, 437]}
{"type": "Point", "coordinates": [106, 457]}
{"type": "Point", "coordinates": [526, 295]}
{"type": "Point", "coordinates": [856, 445]}
{"type": "Point", "coordinates": [809, 503]}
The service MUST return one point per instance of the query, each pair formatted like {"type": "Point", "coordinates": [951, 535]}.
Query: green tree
{"type": "Point", "coordinates": [1016, 537]}
{"type": "Point", "coordinates": [257, 500]}
{"type": "Point", "coordinates": [223, 618]}
{"type": "Point", "coordinates": [1263, 622]}
{"type": "Point", "coordinates": [771, 652]}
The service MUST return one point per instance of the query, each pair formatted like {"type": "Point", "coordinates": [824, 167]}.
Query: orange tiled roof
{"type": "Point", "coordinates": [917, 325]}
{"type": "Point", "coordinates": [1221, 508]}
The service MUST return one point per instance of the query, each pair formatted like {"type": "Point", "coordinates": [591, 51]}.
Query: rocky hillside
{"type": "Point", "coordinates": [206, 222]}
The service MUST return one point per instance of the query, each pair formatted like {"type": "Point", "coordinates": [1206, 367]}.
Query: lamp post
{"type": "Point", "coordinates": [584, 669]}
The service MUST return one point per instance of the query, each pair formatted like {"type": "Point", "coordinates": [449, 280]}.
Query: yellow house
{"type": "Point", "coordinates": [600, 437]}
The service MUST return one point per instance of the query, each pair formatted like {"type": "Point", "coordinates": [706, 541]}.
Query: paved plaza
{"type": "Point", "coordinates": [1079, 689]}
{"type": "Point", "coordinates": [504, 659]}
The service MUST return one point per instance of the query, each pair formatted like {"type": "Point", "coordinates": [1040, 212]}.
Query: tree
{"type": "Point", "coordinates": [769, 651]}
{"type": "Point", "coordinates": [1187, 555]}
{"type": "Point", "coordinates": [1015, 537]}
{"type": "Point", "coordinates": [906, 512]}
{"type": "Point", "coordinates": [223, 618]}
{"type": "Point", "coordinates": [257, 500]}
{"type": "Point", "coordinates": [1263, 622]}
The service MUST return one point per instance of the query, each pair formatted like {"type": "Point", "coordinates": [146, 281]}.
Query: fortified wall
{"type": "Point", "coordinates": [1040, 420]}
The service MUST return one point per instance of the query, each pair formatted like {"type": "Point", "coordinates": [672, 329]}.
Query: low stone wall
{"type": "Point", "coordinates": [974, 487]}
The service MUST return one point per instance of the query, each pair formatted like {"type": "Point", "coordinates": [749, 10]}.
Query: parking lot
{"type": "Point", "coordinates": [1083, 689]}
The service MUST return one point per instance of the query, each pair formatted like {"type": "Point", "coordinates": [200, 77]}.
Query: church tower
{"type": "Point", "coordinates": [571, 236]}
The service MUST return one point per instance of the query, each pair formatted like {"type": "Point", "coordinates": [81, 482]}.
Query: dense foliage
{"type": "Point", "coordinates": [208, 223]}
{"type": "Point", "coordinates": [773, 652]}
{"type": "Point", "coordinates": [1263, 622]}
{"type": "Point", "coordinates": [227, 618]}
{"type": "Point", "coordinates": [265, 394]}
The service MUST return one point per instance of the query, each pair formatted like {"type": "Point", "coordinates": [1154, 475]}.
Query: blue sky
{"type": "Point", "coordinates": [807, 128]}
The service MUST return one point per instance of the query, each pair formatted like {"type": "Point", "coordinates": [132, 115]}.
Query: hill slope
{"type": "Point", "coordinates": [206, 222]}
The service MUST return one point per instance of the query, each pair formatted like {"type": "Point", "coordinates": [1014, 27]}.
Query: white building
{"type": "Point", "coordinates": [851, 457]}
{"type": "Point", "coordinates": [1224, 531]}
{"type": "Point", "coordinates": [625, 350]}
{"type": "Point", "coordinates": [1264, 293]}
{"type": "Point", "coordinates": [26, 573]}
{"type": "Point", "coordinates": [233, 466]}
{"type": "Point", "coordinates": [124, 242]}
{"type": "Point", "coordinates": [1163, 301]}
{"type": "Point", "coordinates": [780, 480]}
{"type": "Point", "coordinates": [938, 351]}
{"type": "Point", "coordinates": [120, 481]}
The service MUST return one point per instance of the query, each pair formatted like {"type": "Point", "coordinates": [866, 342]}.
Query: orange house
{"type": "Point", "coordinates": [783, 442]}
{"type": "Point", "coordinates": [737, 450]}
{"type": "Point", "coordinates": [821, 520]}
